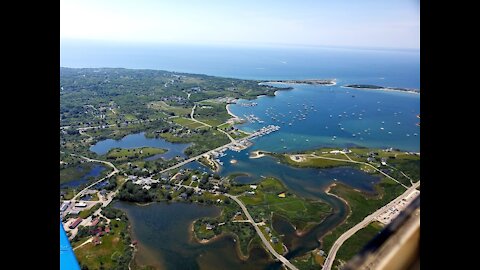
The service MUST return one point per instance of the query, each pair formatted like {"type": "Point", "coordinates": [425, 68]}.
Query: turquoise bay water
{"type": "Point", "coordinates": [310, 117]}
{"type": "Point", "coordinates": [162, 230]}
{"type": "Point", "coordinates": [139, 140]}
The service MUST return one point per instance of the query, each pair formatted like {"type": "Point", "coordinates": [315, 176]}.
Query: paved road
{"type": "Point", "coordinates": [259, 232]}
{"type": "Point", "coordinates": [115, 171]}
{"type": "Point", "coordinates": [80, 193]}
{"type": "Point", "coordinates": [336, 246]}
{"type": "Point", "coordinates": [193, 119]}
{"type": "Point", "coordinates": [208, 152]}
{"type": "Point", "coordinates": [257, 229]}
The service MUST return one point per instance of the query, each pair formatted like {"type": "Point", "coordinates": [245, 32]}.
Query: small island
{"type": "Point", "coordinates": [376, 87]}
{"type": "Point", "coordinates": [309, 81]}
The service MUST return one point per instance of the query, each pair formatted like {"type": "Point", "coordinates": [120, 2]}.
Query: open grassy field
{"type": "Point", "coordinates": [214, 114]}
{"type": "Point", "coordinates": [176, 110]}
{"type": "Point", "coordinates": [203, 141]}
{"type": "Point", "coordinates": [107, 254]}
{"type": "Point", "coordinates": [308, 261]}
{"type": "Point", "coordinates": [361, 205]}
{"type": "Point", "coordinates": [188, 123]}
{"type": "Point", "coordinates": [355, 243]}
{"type": "Point", "coordinates": [301, 212]}
{"type": "Point", "coordinates": [312, 162]}
{"type": "Point", "coordinates": [86, 213]}
{"type": "Point", "coordinates": [121, 154]}
{"type": "Point", "coordinates": [225, 126]}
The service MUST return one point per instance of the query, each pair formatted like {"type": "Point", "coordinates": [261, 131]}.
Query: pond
{"type": "Point", "coordinates": [164, 239]}
{"type": "Point", "coordinates": [138, 140]}
{"type": "Point", "coordinates": [93, 173]}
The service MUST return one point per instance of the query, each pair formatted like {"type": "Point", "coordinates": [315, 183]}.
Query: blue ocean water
{"type": "Point", "coordinates": [319, 115]}
{"type": "Point", "coordinates": [399, 68]}
{"type": "Point", "coordinates": [362, 116]}
{"type": "Point", "coordinates": [316, 116]}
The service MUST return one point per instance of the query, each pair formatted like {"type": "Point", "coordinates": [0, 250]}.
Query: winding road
{"type": "Point", "coordinates": [338, 243]}
{"type": "Point", "coordinates": [259, 232]}
{"type": "Point", "coordinates": [205, 124]}
{"type": "Point", "coordinates": [115, 171]}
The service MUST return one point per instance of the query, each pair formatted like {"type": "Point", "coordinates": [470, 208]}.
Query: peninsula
{"type": "Point", "coordinates": [376, 87]}
{"type": "Point", "coordinates": [153, 126]}
{"type": "Point", "coordinates": [308, 81]}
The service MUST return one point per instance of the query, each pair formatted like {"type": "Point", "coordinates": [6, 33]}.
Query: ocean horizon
{"type": "Point", "coordinates": [386, 67]}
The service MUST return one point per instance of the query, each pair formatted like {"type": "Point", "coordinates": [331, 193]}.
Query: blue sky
{"type": "Point", "coordinates": [351, 23]}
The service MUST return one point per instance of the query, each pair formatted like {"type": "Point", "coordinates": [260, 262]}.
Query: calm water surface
{"type": "Point", "coordinates": [309, 117]}
{"type": "Point", "coordinates": [94, 172]}
{"type": "Point", "coordinates": [139, 140]}
{"type": "Point", "coordinates": [163, 232]}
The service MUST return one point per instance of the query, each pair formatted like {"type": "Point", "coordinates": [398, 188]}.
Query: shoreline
{"type": "Point", "coordinates": [327, 191]}
{"type": "Point", "coordinates": [382, 89]}
{"type": "Point", "coordinates": [230, 112]}
{"type": "Point", "coordinates": [194, 238]}
{"type": "Point", "coordinates": [211, 161]}
{"type": "Point", "coordinates": [327, 82]}
{"type": "Point", "coordinates": [257, 154]}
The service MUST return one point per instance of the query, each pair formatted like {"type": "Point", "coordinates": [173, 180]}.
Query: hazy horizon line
{"type": "Point", "coordinates": [236, 44]}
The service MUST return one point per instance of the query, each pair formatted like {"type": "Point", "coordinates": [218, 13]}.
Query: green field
{"type": "Point", "coordinates": [112, 253]}
{"type": "Point", "coordinates": [188, 123]}
{"type": "Point", "coordinates": [86, 213]}
{"type": "Point", "coordinates": [311, 162]}
{"type": "Point", "coordinates": [356, 242]}
{"type": "Point", "coordinates": [122, 155]}
{"type": "Point", "coordinates": [301, 212]}
{"type": "Point", "coordinates": [214, 114]}
{"type": "Point", "coordinates": [225, 126]}
{"type": "Point", "coordinates": [171, 110]}
{"type": "Point", "coordinates": [203, 141]}
{"type": "Point", "coordinates": [361, 205]}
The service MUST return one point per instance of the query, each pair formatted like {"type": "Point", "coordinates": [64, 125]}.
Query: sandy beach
{"type": "Point", "coordinates": [383, 89]}
{"type": "Point", "coordinates": [257, 154]}
{"type": "Point", "coordinates": [305, 82]}
{"type": "Point", "coordinates": [230, 112]}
